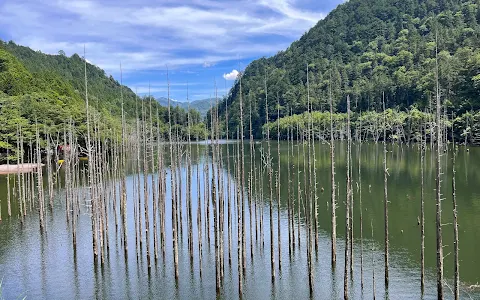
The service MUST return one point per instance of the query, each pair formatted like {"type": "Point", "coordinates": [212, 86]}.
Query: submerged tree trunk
{"type": "Point", "coordinates": [279, 243]}
{"type": "Point", "coordinates": [172, 179]}
{"type": "Point", "coordinates": [373, 261]}
{"type": "Point", "coordinates": [229, 205]}
{"type": "Point", "coordinates": [438, 192]}
{"type": "Point", "coordinates": [347, 206]}
{"type": "Point", "coordinates": [422, 213]}
{"type": "Point", "coordinates": [360, 201]}
{"type": "Point", "coordinates": [90, 169]}
{"type": "Point", "coordinates": [270, 182]}
{"type": "Point", "coordinates": [250, 180]}
{"type": "Point", "coordinates": [385, 190]}
{"type": "Point", "coordinates": [333, 200]}
{"type": "Point", "coordinates": [455, 224]}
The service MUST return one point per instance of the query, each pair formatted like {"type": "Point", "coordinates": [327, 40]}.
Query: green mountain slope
{"type": "Point", "coordinates": [49, 90]}
{"type": "Point", "coordinates": [26, 98]}
{"type": "Point", "coordinates": [364, 48]}
{"type": "Point", "coordinates": [103, 90]}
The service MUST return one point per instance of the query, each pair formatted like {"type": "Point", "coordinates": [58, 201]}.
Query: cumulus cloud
{"type": "Point", "coordinates": [231, 76]}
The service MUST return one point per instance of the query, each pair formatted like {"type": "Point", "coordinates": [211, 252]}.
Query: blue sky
{"type": "Point", "coordinates": [200, 41]}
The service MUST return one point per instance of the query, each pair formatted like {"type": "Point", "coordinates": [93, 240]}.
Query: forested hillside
{"type": "Point", "coordinates": [49, 90]}
{"type": "Point", "coordinates": [365, 48]}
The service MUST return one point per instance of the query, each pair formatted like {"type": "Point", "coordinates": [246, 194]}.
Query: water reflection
{"type": "Point", "coordinates": [47, 266]}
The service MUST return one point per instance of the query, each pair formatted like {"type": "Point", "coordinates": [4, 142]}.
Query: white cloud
{"type": "Point", "coordinates": [208, 64]}
{"type": "Point", "coordinates": [231, 76]}
{"type": "Point", "coordinates": [188, 36]}
{"type": "Point", "coordinates": [286, 8]}
{"type": "Point", "coordinates": [148, 35]}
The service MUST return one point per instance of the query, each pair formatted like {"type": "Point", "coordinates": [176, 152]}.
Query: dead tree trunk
{"type": "Point", "coordinates": [455, 223]}
{"type": "Point", "coordinates": [333, 200]}
{"type": "Point", "coordinates": [385, 192]}
{"type": "Point", "coordinates": [438, 192]}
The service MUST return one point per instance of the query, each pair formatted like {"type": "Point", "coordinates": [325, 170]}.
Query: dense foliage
{"type": "Point", "coordinates": [48, 91]}
{"type": "Point", "coordinates": [365, 48]}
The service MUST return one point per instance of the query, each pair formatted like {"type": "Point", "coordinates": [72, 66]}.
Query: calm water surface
{"type": "Point", "coordinates": [47, 267]}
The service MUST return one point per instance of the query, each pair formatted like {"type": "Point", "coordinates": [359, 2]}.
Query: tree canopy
{"type": "Point", "coordinates": [48, 91]}
{"type": "Point", "coordinates": [365, 48]}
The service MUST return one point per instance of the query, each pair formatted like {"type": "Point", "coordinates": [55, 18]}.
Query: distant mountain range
{"type": "Point", "coordinates": [200, 105]}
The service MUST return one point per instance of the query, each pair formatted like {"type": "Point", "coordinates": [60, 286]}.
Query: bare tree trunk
{"type": "Point", "coordinates": [242, 182]}
{"type": "Point", "coordinates": [272, 254]}
{"type": "Point", "coordinates": [347, 205]}
{"type": "Point", "coordinates": [310, 198]}
{"type": "Point", "coordinates": [422, 211]}
{"type": "Point", "coordinates": [455, 223]}
{"type": "Point", "coordinates": [373, 262]}
{"type": "Point", "coordinates": [8, 187]}
{"type": "Point", "coordinates": [172, 179]}
{"type": "Point", "coordinates": [315, 198]}
{"type": "Point", "coordinates": [229, 205]}
{"type": "Point", "coordinates": [138, 171]}
{"type": "Point", "coordinates": [207, 197]}
{"type": "Point", "coordinates": [90, 169]}
{"type": "Point", "coordinates": [438, 192]}
{"type": "Point", "coordinates": [49, 170]}
{"type": "Point", "coordinates": [154, 185]}
{"type": "Point", "coordinates": [292, 209]}
{"type": "Point", "coordinates": [254, 178]}
{"type": "Point", "coordinates": [29, 182]}
{"type": "Point", "coordinates": [215, 231]}
{"type": "Point", "coordinates": [251, 182]}
{"type": "Point", "coordinates": [299, 189]}
{"type": "Point", "coordinates": [289, 198]}
{"type": "Point", "coordinates": [135, 217]}
{"type": "Point", "coordinates": [145, 187]}
{"type": "Point", "coordinates": [179, 186]}
{"type": "Point", "coordinates": [351, 198]}
{"type": "Point", "coordinates": [123, 201]}
{"type": "Point", "coordinates": [239, 221]}
{"type": "Point", "coordinates": [279, 237]}
{"type": "Point", "coordinates": [220, 191]}
{"type": "Point", "coordinates": [360, 200]}
{"type": "Point", "coordinates": [41, 199]}
{"type": "Point", "coordinates": [333, 200]}
{"type": "Point", "coordinates": [199, 214]}
{"type": "Point", "coordinates": [261, 176]}
{"type": "Point", "coordinates": [385, 190]}
{"type": "Point", "coordinates": [19, 183]}
{"type": "Point", "coordinates": [189, 187]}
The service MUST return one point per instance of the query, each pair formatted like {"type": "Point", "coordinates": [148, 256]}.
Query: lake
{"type": "Point", "coordinates": [45, 265]}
